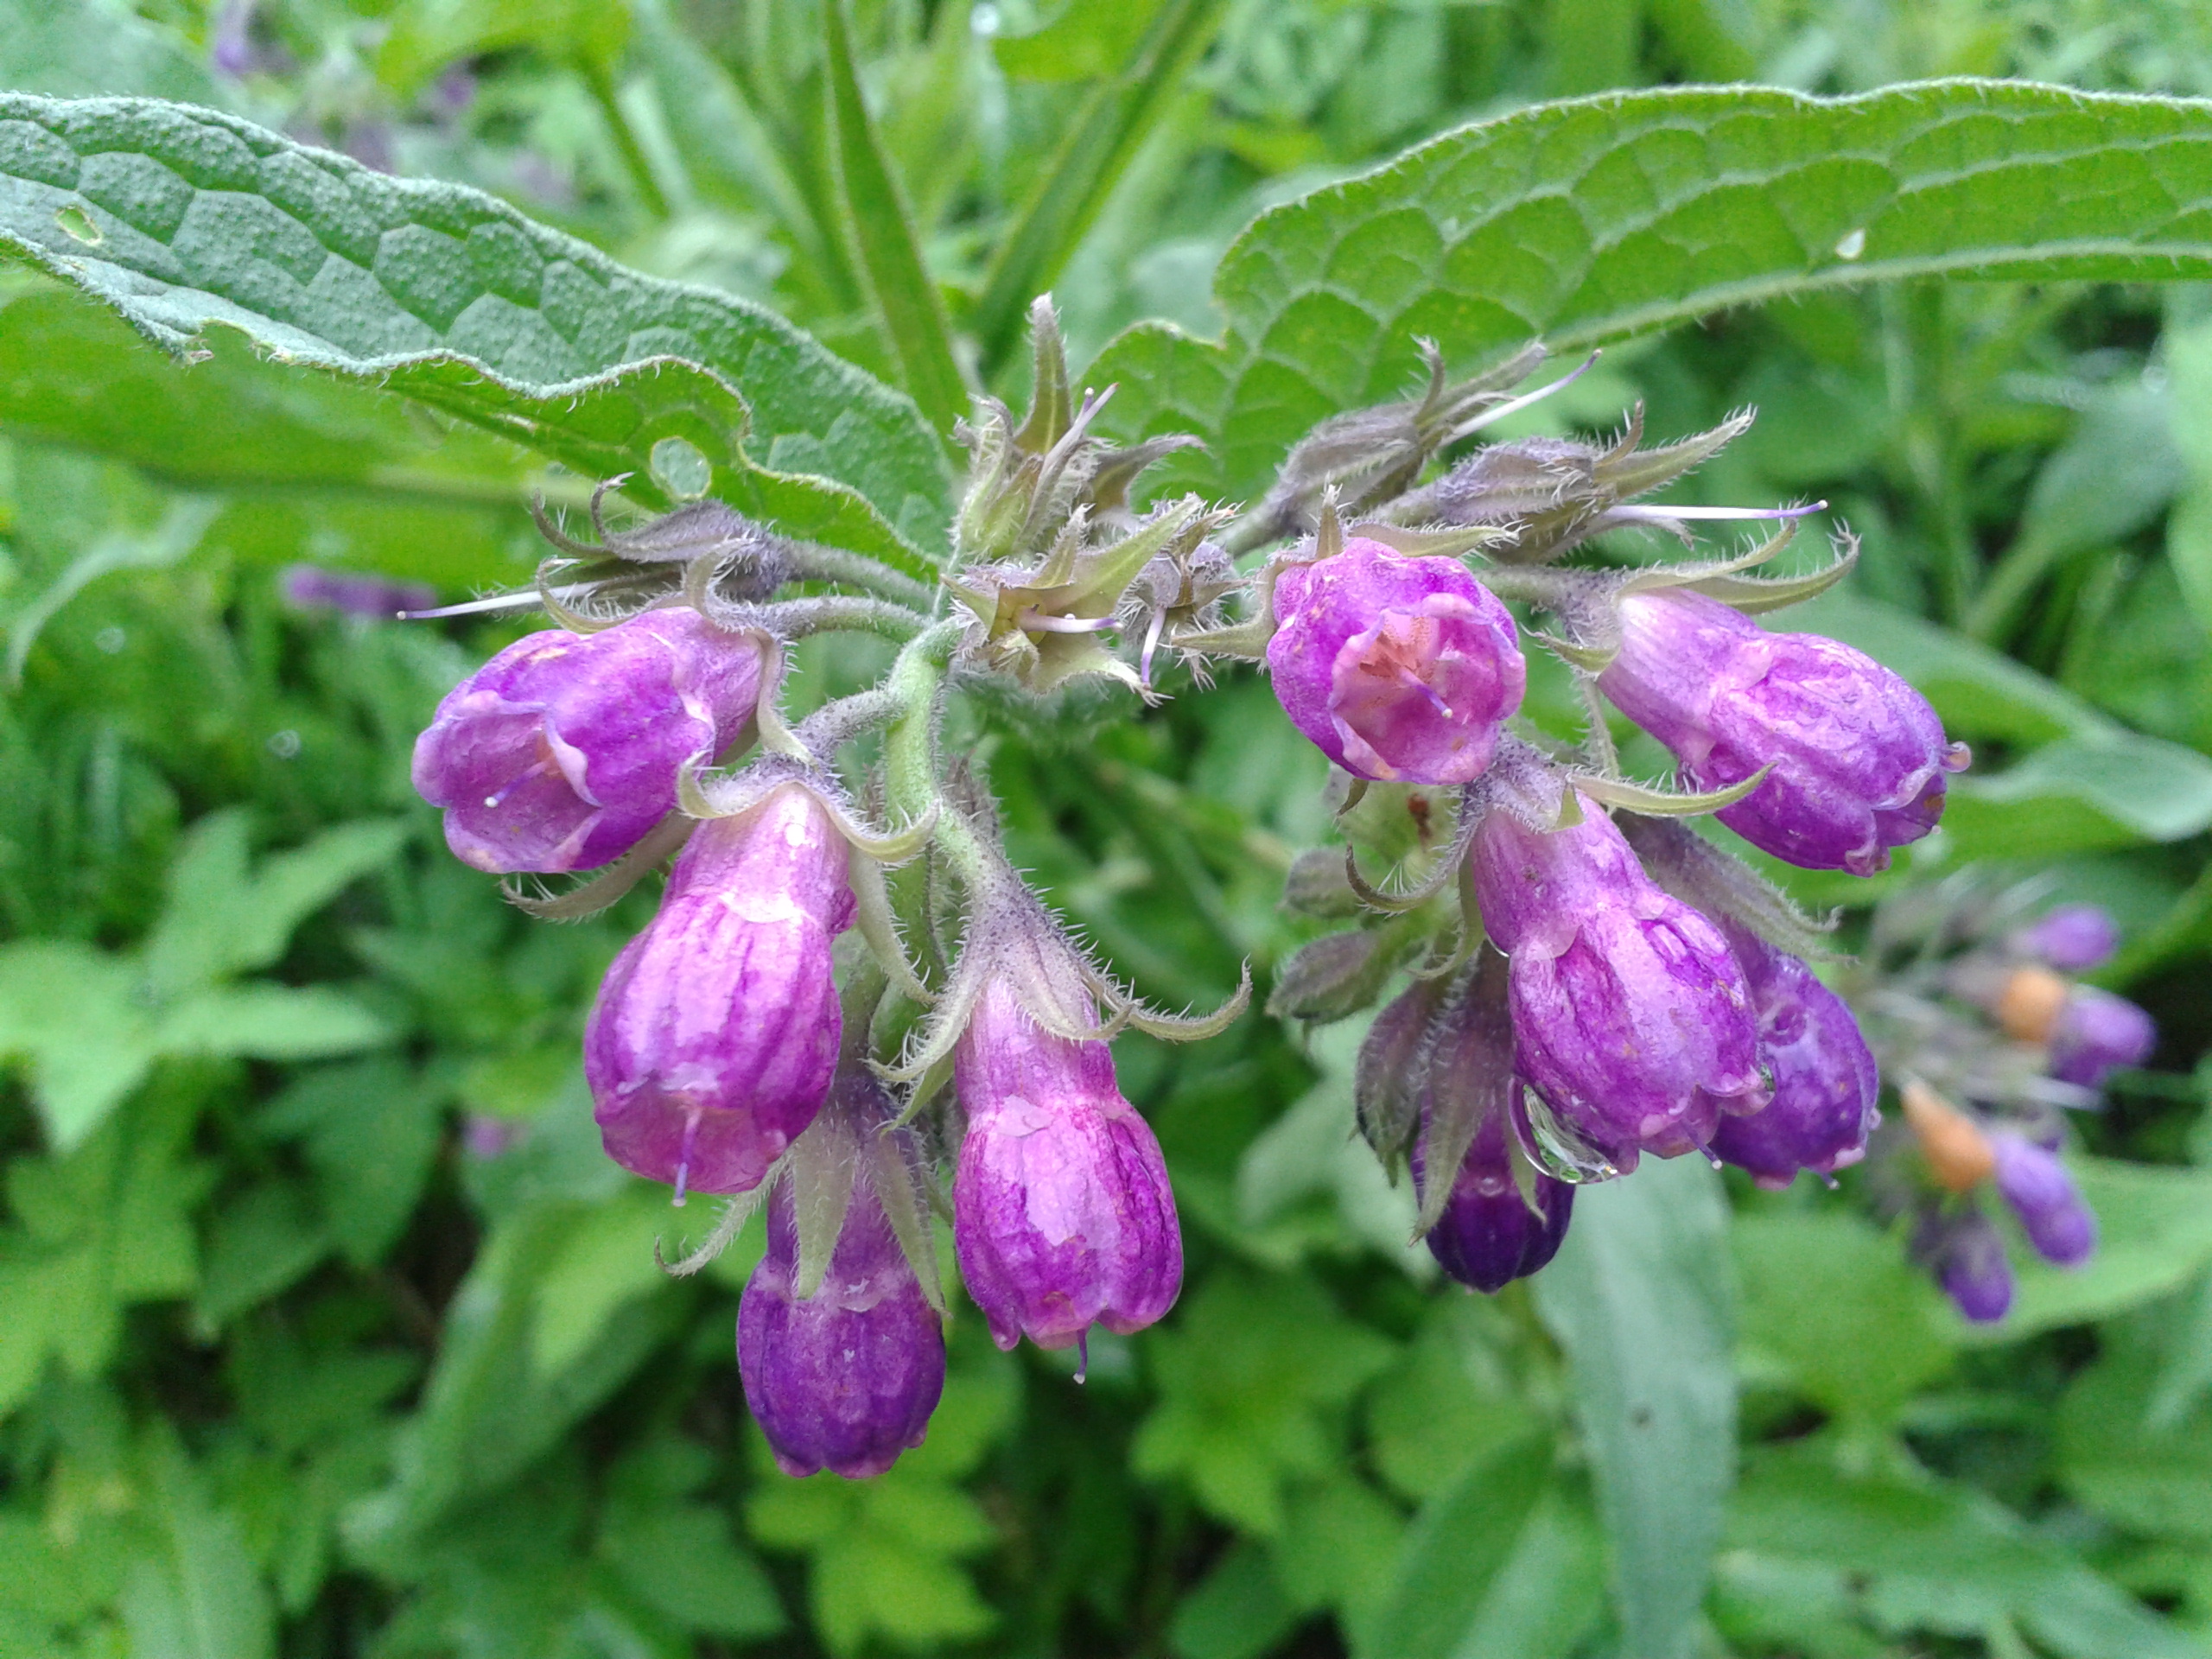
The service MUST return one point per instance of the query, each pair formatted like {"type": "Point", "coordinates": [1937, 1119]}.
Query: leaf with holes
{"type": "Point", "coordinates": [1607, 217]}
{"type": "Point", "coordinates": [184, 222]}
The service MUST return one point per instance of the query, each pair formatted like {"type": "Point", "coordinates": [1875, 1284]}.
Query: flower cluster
{"type": "Point", "coordinates": [851, 1007]}
{"type": "Point", "coordinates": [1975, 1009]}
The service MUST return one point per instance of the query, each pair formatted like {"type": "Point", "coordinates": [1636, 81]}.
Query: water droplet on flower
{"type": "Point", "coordinates": [1562, 1153]}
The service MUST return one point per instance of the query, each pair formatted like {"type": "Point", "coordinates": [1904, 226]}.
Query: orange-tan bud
{"type": "Point", "coordinates": [1959, 1153]}
{"type": "Point", "coordinates": [2028, 1006]}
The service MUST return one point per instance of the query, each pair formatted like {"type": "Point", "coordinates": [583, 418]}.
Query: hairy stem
{"type": "Point", "coordinates": [812, 560]}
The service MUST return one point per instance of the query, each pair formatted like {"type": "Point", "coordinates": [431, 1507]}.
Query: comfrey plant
{"type": "Point", "coordinates": [1590, 981]}
{"type": "Point", "coordinates": [1976, 1014]}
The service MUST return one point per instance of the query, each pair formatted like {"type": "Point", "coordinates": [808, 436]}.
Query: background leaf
{"type": "Point", "coordinates": [1642, 1298]}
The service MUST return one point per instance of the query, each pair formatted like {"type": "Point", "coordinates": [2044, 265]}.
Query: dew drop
{"type": "Point", "coordinates": [1853, 244]}
{"type": "Point", "coordinates": [1564, 1154]}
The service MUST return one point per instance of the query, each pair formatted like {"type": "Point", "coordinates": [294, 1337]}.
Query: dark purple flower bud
{"type": "Point", "coordinates": [1860, 759]}
{"type": "Point", "coordinates": [1967, 1255]}
{"type": "Point", "coordinates": [845, 1379]}
{"type": "Point", "coordinates": [1491, 1232]}
{"type": "Point", "coordinates": [564, 750]}
{"type": "Point", "coordinates": [715, 1037]}
{"type": "Point", "coordinates": [2072, 938]}
{"type": "Point", "coordinates": [2096, 1033]}
{"type": "Point", "coordinates": [1825, 1081]}
{"type": "Point", "coordinates": [1062, 1216]}
{"type": "Point", "coordinates": [2044, 1196]}
{"type": "Point", "coordinates": [1400, 669]}
{"type": "Point", "coordinates": [1632, 1020]}
{"type": "Point", "coordinates": [311, 587]}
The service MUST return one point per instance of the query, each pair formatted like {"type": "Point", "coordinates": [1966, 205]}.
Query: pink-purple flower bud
{"type": "Point", "coordinates": [564, 750]}
{"type": "Point", "coordinates": [2072, 938]}
{"type": "Point", "coordinates": [1825, 1080]}
{"type": "Point", "coordinates": [1062, 1214]}
{"type": "Point", "coordinates": [1400, 669]}
{"type": "Point", "coordinates": [1490, 1233]}
{"type": "Point", "coordinates": [2097, 1033]}
{"type": "Point", "coordinates": [1858, 758]}
{"type": "Point", "coordinates": [845, 1379]}
{"type": "Point", "coordinates": [715, 1037]}
{"type": "Point", "coordinates": [2043, 1195]}
{"type": "Point", "coordinates": [1632, 1020]}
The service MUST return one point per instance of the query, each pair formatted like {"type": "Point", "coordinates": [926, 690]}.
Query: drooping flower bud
{"type": "Point", "coordinates": [714, 1036]}
{"type": "Point", "coordinates": [2097, 1033]}
{"type": "Point", "coordinates": [1858, 758]}
{"type": "Point", "coordinates": [1633, 1020]}
{"type": "Point", "coordinates": [1966, 1253]}
{"type": "Point", "coordinates": [2072, 938]}
{"type": "Point", "coordinates": [1501, 1218]}
{"type": "Point", "coordinates": [1825, 1080]}
{"type": "Point", "coordinates": [1491, 1232]}
{"type": "Point", "coordinates": [1062, 1214]}
{"type": "Point", "coordinates": [845, 1379]}
{"type": "Point", "coordinates": [1398, 669]}
{"type": "Point", "coordinates": [564, 750]}
{"type": "Point", "coordinates": [2044, 1196]}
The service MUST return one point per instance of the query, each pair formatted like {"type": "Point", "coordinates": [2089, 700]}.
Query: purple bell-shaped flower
{"type": "Point", "coordinates": [1632, 1020]}
{"type": "Point", "coordinates": [1062, 1214]}
{"type": "Point", "coordinates": [715, 1037]}
{"type": "Point", "coordinates": [845, 1379]}
{"type": "Point", "coordinates": [564, 750]}
{"type": "Point", "coordinates": [1400, 669]}
{"type": "Point", "coordinates": [1825, 1080]}
{"type": "Point", "coordinates": [1858, 758]}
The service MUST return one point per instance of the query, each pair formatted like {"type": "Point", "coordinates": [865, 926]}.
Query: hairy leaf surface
{"type": "Point", "coordinates": [183, 220]}
{"type": "Point", "coordinates": [1593, 221]}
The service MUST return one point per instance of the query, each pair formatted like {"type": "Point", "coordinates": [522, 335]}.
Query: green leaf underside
{"type": "Point", "coordinates": [1593, 221]}
{"type": "Point", "coordinates": [182, 220]}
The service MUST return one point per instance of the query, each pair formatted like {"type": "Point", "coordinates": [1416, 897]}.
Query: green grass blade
{"type": "Point", "coordinates": [1094, 153]}
{"type": "Point", "coordinates": [907, 302]}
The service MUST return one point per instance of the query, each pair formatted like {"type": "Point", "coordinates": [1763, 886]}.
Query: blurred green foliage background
{"type": "Point", "coordinates": [327, 1330]}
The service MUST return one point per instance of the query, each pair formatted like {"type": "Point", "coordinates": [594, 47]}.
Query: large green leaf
{"type": "Point", "coordinates": [1610, 216]}
{"type": "Point", "coordinates": [185, 221]}
{"type": "Point", "coordinates": [1642, 1299]}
